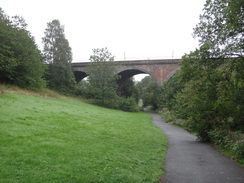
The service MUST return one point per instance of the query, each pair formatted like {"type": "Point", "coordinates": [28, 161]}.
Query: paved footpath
{"type": "Point", "coordinates": [191, 161]}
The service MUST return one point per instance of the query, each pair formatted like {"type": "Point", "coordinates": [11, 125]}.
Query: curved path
{"type": "Point", "coordinates": [191, 161]}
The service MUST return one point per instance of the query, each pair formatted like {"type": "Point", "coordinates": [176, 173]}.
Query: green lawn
{"type": "Point", "coordinates": [63, 140]}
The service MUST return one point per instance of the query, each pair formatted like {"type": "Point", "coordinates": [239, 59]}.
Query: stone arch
{"type": "Point", "coordinates": [172, 74]}
{"type": "Point", "coordinates": [159, 69]}
{"type": "Point", "coordinates": [128, 73]}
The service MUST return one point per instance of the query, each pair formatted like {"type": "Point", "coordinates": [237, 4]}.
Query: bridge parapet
{"type": "Point", "coordinates": [149, 62]}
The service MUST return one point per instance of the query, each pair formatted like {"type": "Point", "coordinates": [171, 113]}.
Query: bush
{"type": "Point", "coordinates": [220, 138]}
{"type": "Point", "coordinates": [239, 149]}
{"type": "Point", "coordinates": [231, 142]}
{"type": "Point", "coordinates": [166, 97]}
{"type": "Point", "coordinates": [128, 104]}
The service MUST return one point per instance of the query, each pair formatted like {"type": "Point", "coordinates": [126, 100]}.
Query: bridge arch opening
{"type": "Point", "coordinates": [158, 69]}
{"type": "Point", "coordinates": [127, 74]}
{"type": "Point", "coordinates": [79, 75]}
{"type": "Point", "coordinates": [139, 77]}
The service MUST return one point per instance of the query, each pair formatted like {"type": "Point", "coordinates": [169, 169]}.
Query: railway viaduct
{"type": "Point", "coordinates": [159, 69]}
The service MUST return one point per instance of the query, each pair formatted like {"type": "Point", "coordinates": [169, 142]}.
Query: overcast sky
{"type": "Point", "coordinates": [131, 29]}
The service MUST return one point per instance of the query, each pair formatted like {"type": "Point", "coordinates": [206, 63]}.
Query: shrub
{"type": "Point", "coordinates": [239, 149]}
{"type": "Point", "coordinates": [128, 104]}
{"type": "Point", "coordinates": [232, 142]}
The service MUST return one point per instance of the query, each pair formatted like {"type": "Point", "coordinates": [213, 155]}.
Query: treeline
{"type": "Point", "coordinates": [20, 59]}
{"type": "Point", "coordinates": [24, 65]}
{"type": "Point", "coordinates": [208, 91]}
{"type": "Point", "coordinates": [209, 95]}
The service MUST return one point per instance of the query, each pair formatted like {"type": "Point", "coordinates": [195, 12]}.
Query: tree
{"type": "Point", "coordinates": [128, 89]}
{"type": "Point", "coordinates": [83, 89]}
{"type": "Point", "coordinates": [58, 55]}
{"type": "Point", "coordinates": [168, 91]}
{"type": "Point", "coordinates": [20, 59]}
{"type": "Point", "coordinates": [148, 91]}
{"type": "Point", "coordinates": [221, 27]}
{"type": "Point", "coordinates": [143, 85]}
{"type": "Point", "coordinates": [213, 77]}
{"type": "Point", "coordinates": [102, 76]}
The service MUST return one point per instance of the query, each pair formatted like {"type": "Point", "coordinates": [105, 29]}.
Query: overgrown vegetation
{"type": "Point", "coordinates": [148, 90]}
{"type": "Point", "coordinates": [130, 90]}
{"type": "Point", "coordinates": [208, 91]}
{"type": "Point", "coordinates": [102, 88]}
{"type": "Point", "coordinates": [20, 59]}
{"type": "Point", "coordinates": [64, 140]}
{"type": "Point", "coordinates": [22, 63]}
{"type": "Point", "coordinates": [102, 79]}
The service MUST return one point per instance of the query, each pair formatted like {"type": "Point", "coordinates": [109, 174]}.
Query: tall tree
{"type": "Point", "coordinates": [129, 89]}
{"type": "Point", "coordinates": [221, 27]}
{"type": "Point", "coordinates": [20, 59]}
{"type": "Point", "coordinates": [58, 55]}
{"type": "Point", "coordinates": [102, 76]}
{"type": "Point", "coordinates": [213, 75]}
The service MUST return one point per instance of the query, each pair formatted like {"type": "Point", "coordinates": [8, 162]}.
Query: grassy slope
{"type": "Point", "coordinates": [63, 140]}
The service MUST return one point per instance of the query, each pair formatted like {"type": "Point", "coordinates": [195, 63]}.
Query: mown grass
{"type": "Point", "coordinates": [63, 140]}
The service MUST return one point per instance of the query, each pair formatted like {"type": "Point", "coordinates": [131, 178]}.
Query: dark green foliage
{"type": "Point", "coordinates": [148, 91]}
{"type": "Point", "coordinates": [213, 75]}
{"type": "Point", "coordinates": [167, 93]}
{"type": "Point", "coordinates": [101, 86]}
{"type": "Point", "coordinates": [143, 84]}
{"type": "Point", "coordinates": [58, 55]}
{"type": "Point", "coordinates": [128, 104]}
{"type": "Point", "coordinates": [229, 141]}
{"type": "Point", "coordinates": [221, 27]}
{"type": "Point", "coordinates": [212, 96]}
{"type": "Point", "coordinates": [149, 98]}
{"type": "Point", "coordinates": [209, 89]}
{"type": "Point", "coordinates": [82, 89]}
{"type": "Point", "coordinates": [60, 77]}
{"type": "Point", "coordinates": [128, 89]}
{"type": "Point", "coordinates": [20, 59]}
{"type": "Point", "coordinates": [102, 77]}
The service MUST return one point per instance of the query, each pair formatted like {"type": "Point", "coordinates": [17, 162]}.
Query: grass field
{"type": "Point", "coordinates": [62, 140]}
